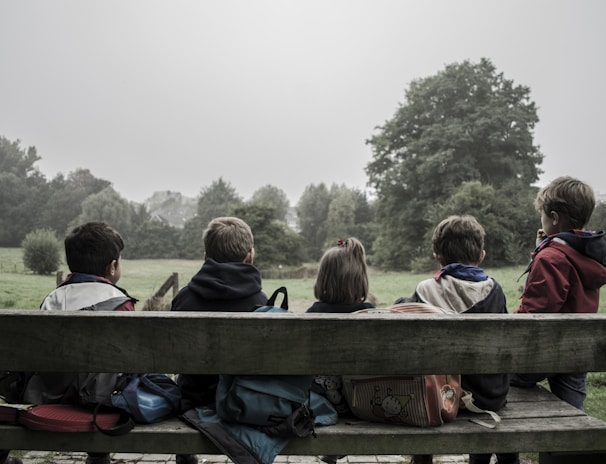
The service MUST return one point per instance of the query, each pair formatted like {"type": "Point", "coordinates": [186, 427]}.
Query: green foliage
{"type": "Point", "coordinates": [66, 197]}
{"type": "Point", "coordinates": [312, 211]}
{"type": "Point", "coordinates": [598, 218]}
{"type": "Point", "coordinates": [190, 244]}
{"type": "Point", "coordinates": [493, 208]}
{"type": "Point", "coordinates": [326, 215]}
{"type": "Point", "coordinates": [467, 123]}
{"type": "Point", "coordinates": [110, 207]}
{"type": "Point", "coordinates": [272, 197]}
{"type": "Point", "coordinates": [217, 200]}
{"type": "Point", "coordinates": [153, 239]}
{"type": "Point", "coordinates": [41, 251]}
{"type": "Point", "coordinates": [275, 243]}
{"type": "Point", "coordinates": [23, 192]}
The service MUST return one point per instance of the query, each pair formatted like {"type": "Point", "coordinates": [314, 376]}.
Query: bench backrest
{"type": "Point", "coordinates": [248, 343]}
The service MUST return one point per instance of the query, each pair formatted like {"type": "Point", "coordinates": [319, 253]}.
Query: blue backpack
{"type": "Point", "coordinates": [277, 403]}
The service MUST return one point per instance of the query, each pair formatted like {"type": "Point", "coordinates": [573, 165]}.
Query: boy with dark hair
{"type": "Point", "coordinates": [460, 285]}
{"type": "Point", "coordinates": [566, 272]}
{"type": "Point", "coordinates": [227, 281]}
{"type": "Point", "coordinates": [93, 252]}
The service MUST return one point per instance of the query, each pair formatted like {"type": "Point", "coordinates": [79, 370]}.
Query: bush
{"type": "Point", "coordinates": [41, 251]}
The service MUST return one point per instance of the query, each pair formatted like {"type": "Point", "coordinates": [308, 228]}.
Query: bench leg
{"type": "Point", "coordinates": [572, 458]}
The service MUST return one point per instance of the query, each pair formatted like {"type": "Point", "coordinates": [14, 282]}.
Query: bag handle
{"type": "Point", "coordinates": [468, 403]}
{"type": "Point", "coordinates": [126, 423]}
{"type": "Point", "coordinates": [274, 296]}
{"type": "Point", "coordinates": [146, 380]}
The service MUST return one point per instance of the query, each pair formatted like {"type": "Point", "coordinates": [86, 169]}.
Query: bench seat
{"type": "Point", "coordinates": [533, 420]}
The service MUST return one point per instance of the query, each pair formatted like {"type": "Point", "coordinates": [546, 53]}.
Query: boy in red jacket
{"type": "Point", "coordinates": [567, 269]}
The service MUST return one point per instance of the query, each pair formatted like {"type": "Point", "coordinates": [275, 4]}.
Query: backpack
{"type": "Point", "coordinates": [428, 400]}
{"type": "Point", "coordinates": [98, 398]}
{"type": "Point", "coordinates": [279, 405]}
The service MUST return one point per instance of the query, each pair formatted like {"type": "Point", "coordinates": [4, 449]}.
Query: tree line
{"type": "Point", "coordinates": [460, 142]}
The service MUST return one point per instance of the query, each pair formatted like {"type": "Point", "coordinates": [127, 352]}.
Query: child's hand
{"type": "Point", "coordinates": [541, 235]}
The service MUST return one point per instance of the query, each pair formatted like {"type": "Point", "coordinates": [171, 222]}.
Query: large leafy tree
{"type": "Point", "coordinates": [108, 206]}
{"type": "Point", "coordinates": [312, 212]}
{"type": "Point", "coordinates": [466, 123]}
{"type": "Point", "coordinates": [66, 195]}
{"type": "Point", "coordinates": [217, 200]}
{"type": "Point", "coordinates": [274, 197]}
{"type": "Point", "coordinates": [23, 192]}
{"type": "Point", "coordinates": [275, 243]}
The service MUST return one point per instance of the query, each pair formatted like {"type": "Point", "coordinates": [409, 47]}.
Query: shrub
{"type": "Point", "coordinates": [41, 251]}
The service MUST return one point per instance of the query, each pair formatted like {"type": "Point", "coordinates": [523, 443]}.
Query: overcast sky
{"type": "Point", "coordinates": [171, 95]}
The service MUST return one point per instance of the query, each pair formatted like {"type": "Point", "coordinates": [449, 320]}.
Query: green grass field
{"type": "Point", "coordinates": [20, 289]}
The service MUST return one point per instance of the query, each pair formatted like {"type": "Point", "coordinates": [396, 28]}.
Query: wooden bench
{"type": "Point", "coordinates": [247, 343]}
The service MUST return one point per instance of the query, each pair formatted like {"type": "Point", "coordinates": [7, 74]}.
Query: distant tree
{"type": "Point", "coordinates": [275, 243]}
{"type": "Point", "coordinates": [341, 216]}
{"type": "Point", "coordinates": [23, 192]}
{"type": "Point", "coordinates": [190, 245]}
{"type": "Point", "coordinates": [598, 218]}
{"type": "Point", "coordinates": [312, 211]}
{"type": "Point", "coordinates": [494, 209]}
{"type": "Point", "coordinates": [273, 197]}
{"type": "Point", "coordinates": [217, 200]}
{"type": "Point", "coordinates": [66, 195]}
{"type": "Point", "coordinates": [41, 251]}
{"type": "Point", "coordinates": [466, 123]}
{"type": "Point", "coordinates": [110, 207]}
{"type": "Point", "coordinates": [153, 239]}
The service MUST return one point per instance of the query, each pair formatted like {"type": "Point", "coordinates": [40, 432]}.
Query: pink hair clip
{"type": "Point", "coordinates": [341, 242]}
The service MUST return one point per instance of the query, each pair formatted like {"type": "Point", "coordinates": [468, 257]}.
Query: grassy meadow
{"type": "Point", "coordinates": [20, 289]}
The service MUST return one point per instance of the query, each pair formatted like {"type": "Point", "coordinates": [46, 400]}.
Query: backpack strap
{"type": "Point", "coordinates": [467, 400]}
{"type": "Point", "coordinates": [274, 297]}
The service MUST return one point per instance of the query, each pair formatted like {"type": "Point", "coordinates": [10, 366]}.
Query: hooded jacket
{"type": "Point", "coordinates": [90, 292]}
{"type": "Point", "coordinates": [565, 274]}
{"type": "Point", "coordinates": [221, 287]}
{"type": "Point", "coordinates": [445, 290]}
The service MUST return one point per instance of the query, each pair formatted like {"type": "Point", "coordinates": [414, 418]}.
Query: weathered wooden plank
{"type": "Point", "coordinates": [524, 435]}
{"type": "Point", "coordinates": [550, 428]}
{"type": "Point", "coordinates": [300, 343]}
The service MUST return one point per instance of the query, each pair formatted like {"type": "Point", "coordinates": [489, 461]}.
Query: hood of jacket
{"type": "Point", "coordinates": [225, 281]}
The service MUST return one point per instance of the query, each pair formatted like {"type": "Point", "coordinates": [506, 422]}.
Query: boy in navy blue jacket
{"type": "Point", "coordinates": [227, 281]}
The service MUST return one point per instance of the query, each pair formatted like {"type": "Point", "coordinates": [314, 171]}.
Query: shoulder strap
{"type": "Point", "coordinates": [467, 400]}
{"type": "Point", "coordinates": [274, 297]}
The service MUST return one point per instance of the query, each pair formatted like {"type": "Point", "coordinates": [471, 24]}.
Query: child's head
{"type": "Point", "coordinates": [229, 240]}
{"type": "Point", "coordinates": [568, 201]}
{"type": "Point", "coordinates": [458, 239]}
{"type": "Point", "coordinates": [343, 277]}
{"type": "Point", "coordinates": [94, 248]}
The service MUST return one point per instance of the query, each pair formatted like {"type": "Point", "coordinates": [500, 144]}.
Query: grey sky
{"type": "Point", "coordinates": [171, 95]}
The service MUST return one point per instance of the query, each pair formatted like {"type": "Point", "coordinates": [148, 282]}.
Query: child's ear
{"type": "Point", "coordinates": [250, 256]}
{"type": "Point", "coordinates": [111, 270]}
{"type": "Point", "coordinates": [555, 217]}
{"type": "Point", "coordinates": [482, 256]}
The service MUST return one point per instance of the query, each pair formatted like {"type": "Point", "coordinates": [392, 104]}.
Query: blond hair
{"type": "Point", "coordinates": [227, 240]}
{"type": "Point", "coordinates": [567, 196]}
{"type": "Point", "coordinates": [458, 239]}
{"type": "Point", "coordinates": [343, 276]}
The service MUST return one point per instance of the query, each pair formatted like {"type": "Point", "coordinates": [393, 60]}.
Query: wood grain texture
{"type": "Point", "coordinates": [248, 343]}
{"type": "Point", "coordinates": [528, 425]}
